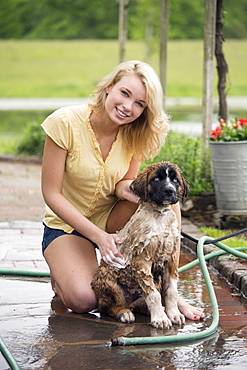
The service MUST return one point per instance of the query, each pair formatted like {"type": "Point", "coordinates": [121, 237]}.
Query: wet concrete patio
{"type": "Point", "coordinates": [42, 334]}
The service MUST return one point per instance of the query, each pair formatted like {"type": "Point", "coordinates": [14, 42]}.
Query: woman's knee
{"type": "Point", "coordinates": [80, 300]}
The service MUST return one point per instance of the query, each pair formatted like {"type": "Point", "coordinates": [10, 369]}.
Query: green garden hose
{"type": "Point", "coordinates": [211, 255]}
{"type": "Point", "coordinates": [24, 273]}
{"type": "Point", "coordinates": [8, 356]}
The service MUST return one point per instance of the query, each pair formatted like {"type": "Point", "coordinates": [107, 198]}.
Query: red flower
{"type": "Point", "coordinates": [216, 133]}
{"type": "Point", "coordinates": [242, 121]}
{"type": "Point", "coordinates": [236, 131]}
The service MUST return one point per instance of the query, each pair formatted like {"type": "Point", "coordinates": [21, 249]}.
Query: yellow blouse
{"type": "Point", "coordinates": [89, 181]}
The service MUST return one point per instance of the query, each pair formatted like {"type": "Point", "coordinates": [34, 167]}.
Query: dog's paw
{"type": "Point", "coordinates": [162, 322]}
{"type": "Point", "coordinates": [125, 316]}
{"type": "Point", "coordinates": [176, 317]}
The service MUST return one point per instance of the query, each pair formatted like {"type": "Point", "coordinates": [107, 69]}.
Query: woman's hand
{"type": "Point", "coordinates": [109, 251]}
{"type": "Point", "coordinates": [125, 193]}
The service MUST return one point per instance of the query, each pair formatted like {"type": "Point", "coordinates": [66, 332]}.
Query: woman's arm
{"type": "Point", "coordinates": [53, 166]}
{"type": "Point", "coordinates": [122, 190]}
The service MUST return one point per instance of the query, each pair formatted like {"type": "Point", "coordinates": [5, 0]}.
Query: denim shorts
{"type": "Point", "coordinates": [51, 234]}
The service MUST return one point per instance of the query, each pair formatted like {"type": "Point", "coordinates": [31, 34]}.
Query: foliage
{"type": "Point", "coordinates": [58, 19]}
{"type": "Point", "coordinates": [13, 126]}
{"type": "Point", "coordinates": [186, 18]}
{"type": "Point", "coordinates": [32, 142]}
{"type": "Point", "coordinates": [14, 121]}
{"type": "Point", "coordinates": [8, 144]}
{"type": "Point", "coordinates": [236, 132]}
{"type": "Point", "coordinates": [194, 160]}
{"type": "Point", "coordinates": [235, 23]}
{"type": "Point", "coordinates": [82, 19]}
{"type": "Point", "coordinates": [234, 242]}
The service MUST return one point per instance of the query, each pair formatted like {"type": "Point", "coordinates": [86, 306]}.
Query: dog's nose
{"type": "Point", "coordinates": [169, 191]}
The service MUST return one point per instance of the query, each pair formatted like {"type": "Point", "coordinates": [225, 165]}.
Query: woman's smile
{"type": "Point", "coordinates": [121, 113]}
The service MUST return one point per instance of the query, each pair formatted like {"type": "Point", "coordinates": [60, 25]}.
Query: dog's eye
{"type": "Point", "coordinates": [175, 180]}
{"type": "Point", "coordinates": [156, 179]}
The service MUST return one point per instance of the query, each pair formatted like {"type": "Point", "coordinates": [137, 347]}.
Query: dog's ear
{"type": "Point", "coordinates": [184, 186]}
{"type": "Point", "coordinates": [185, 189]}
{"type": "Point", "coordinates": [140, 185]}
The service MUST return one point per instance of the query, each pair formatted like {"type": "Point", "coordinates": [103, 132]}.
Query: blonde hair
{"type": "Point", "coordinates": [144, 136]}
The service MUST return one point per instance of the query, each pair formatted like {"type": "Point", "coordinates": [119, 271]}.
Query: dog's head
{"type": "Point", "coordinates": [161, 183]}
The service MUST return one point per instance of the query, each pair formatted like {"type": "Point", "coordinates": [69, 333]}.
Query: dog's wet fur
{"type": "Point", "coordinates": [148, 283]}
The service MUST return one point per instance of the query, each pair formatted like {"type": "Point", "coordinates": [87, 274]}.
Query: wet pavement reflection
{"type": "Point", "coordinates": [42, 334]}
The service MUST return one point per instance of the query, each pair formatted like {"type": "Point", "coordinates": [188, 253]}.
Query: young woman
{"type": "Point", "coordinates": [92, 153]}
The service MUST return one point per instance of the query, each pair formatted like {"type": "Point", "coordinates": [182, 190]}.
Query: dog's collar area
{"type": "Point", "coordinates": [155, 208]}
{"type": "Point", "coordinates": [165, 210]}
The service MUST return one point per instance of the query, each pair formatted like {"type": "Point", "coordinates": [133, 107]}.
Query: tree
{"type": "Point", "coordinates": [164, 22]}
{"type": "Point", "coordinates": [208, 68]}
{"type": "Point", "coordinates": [222, 67]}
{"type": "Point", "coordinates": [123, 27]}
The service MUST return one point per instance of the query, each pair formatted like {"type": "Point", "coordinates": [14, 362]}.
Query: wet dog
{"type": "Point", "coordinates": [148, 283]}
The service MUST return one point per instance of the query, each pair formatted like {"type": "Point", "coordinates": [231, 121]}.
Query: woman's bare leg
{"type": "Point", "coordinates": [72, 262]}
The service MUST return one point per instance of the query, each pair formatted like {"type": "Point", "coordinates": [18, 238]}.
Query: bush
{"type": "Point", "coordinates": [194, 160]}
{"type": "Point", "coordinates": [32, 141]}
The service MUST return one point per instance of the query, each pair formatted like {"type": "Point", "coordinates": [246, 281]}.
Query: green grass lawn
{"type": "Point", "coordinates": [72, 68]}
{"type": "Point", "coordinates": [233, 242]}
